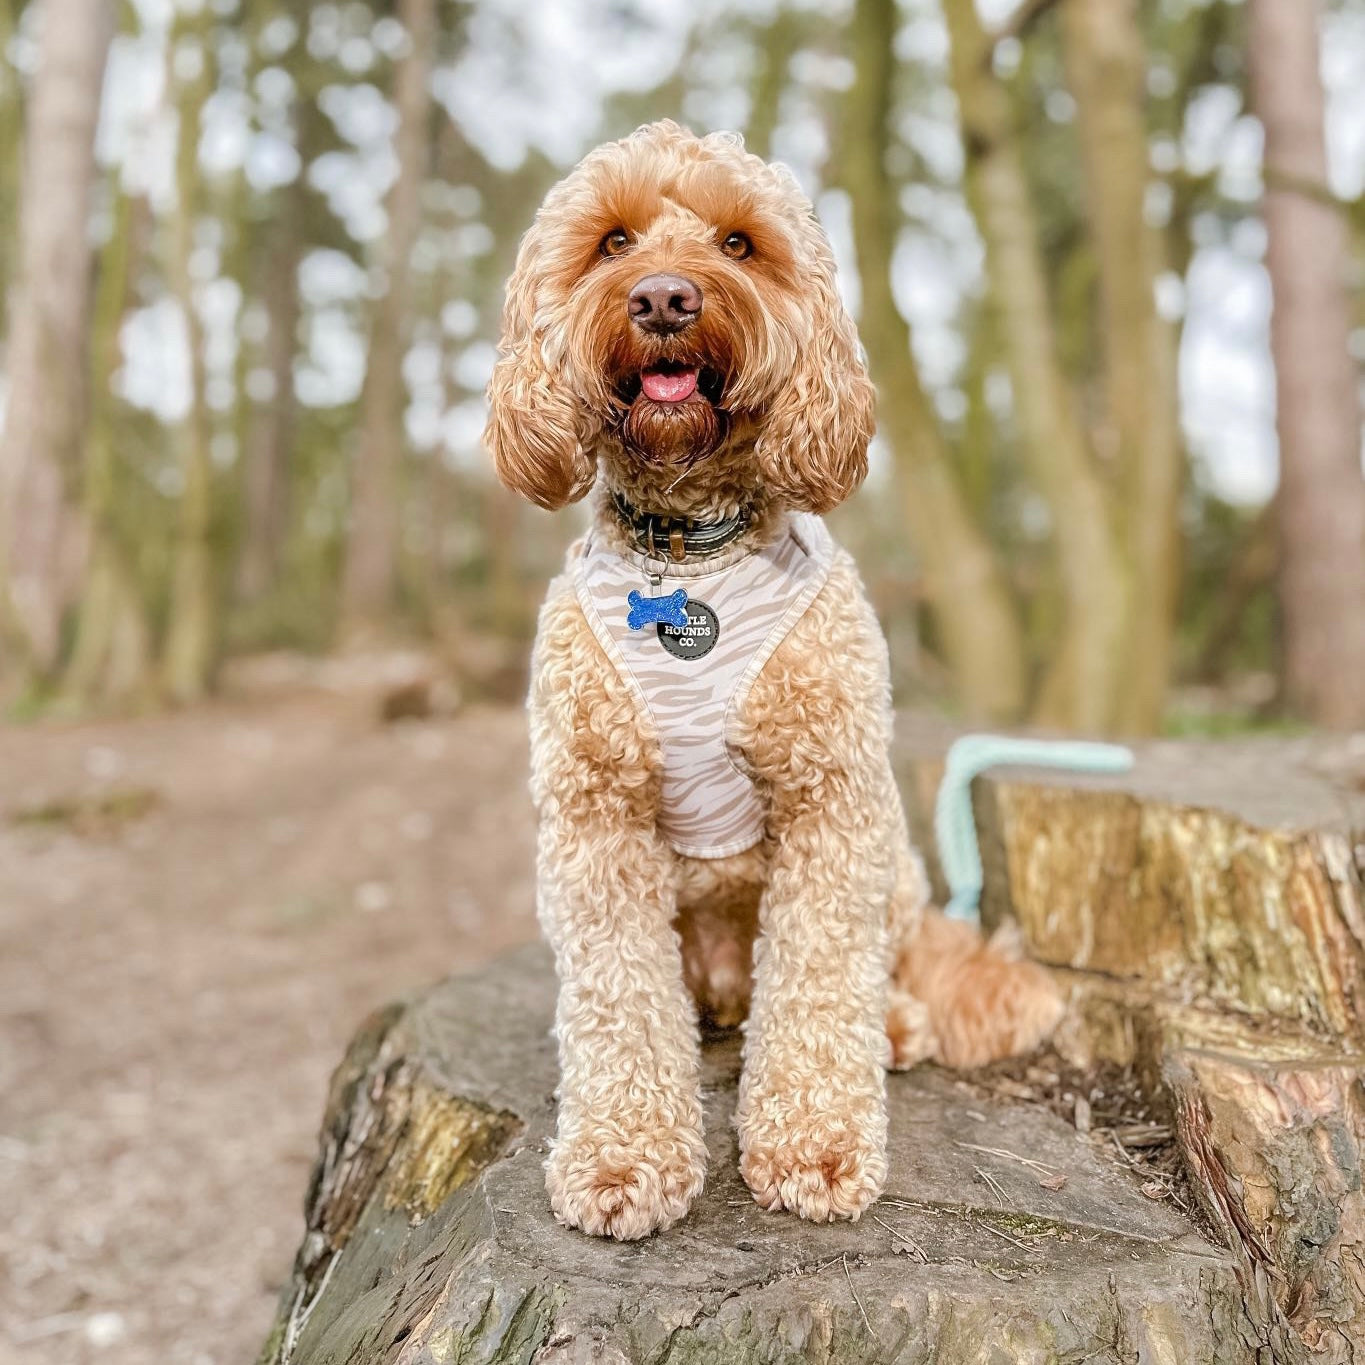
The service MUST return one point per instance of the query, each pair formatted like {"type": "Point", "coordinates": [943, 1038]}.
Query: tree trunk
{"type": "Point", "coordinates": [1322, 494]}
{"type": "Point", "coordinates": [192, 626]}
{"type": "Point", "coordinates": [11, 142]}
{"type": "Point", "coordinates": [46, 359]}
{"type": "Point", "coordinates": [1252, 572]}
{"type": "Point", "coordinates": [371, 548]}
{"type": "Point", "coordinates": [974, 618]}
{"type": "Point", "coordinates": [776, 43]}
{"type": "Point", "coordinates": [1106, 69]}
{"type": "Point", "coordinates": [111, 653]}
{"type": "Point", "coordinates": [271, 427]}
{"type": "Point", "coordinates": [1093, 574]}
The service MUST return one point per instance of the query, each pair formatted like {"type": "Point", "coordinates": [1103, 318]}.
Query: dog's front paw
{"type": "Point", "coordinates": [626, 1190]}
{"type": "Point", "coordinates": [819, 1168]}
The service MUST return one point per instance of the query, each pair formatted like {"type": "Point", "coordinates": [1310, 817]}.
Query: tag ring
{"type": "Point", "coordinates": [653, 575]}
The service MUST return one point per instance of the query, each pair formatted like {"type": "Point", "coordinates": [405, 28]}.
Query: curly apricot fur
{"type": "Point", "coordinates": [822, 934]}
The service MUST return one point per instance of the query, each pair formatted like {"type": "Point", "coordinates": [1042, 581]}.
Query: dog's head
{"type": "Point", "coordinates": [674, 302]}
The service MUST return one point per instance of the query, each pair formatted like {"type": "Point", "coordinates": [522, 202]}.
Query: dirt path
{"type": "Point", "coordinates": [195, 912]}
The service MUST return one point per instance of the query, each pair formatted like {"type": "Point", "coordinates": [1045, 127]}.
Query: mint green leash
{"type": "Point", "coordinates": [954, 820]}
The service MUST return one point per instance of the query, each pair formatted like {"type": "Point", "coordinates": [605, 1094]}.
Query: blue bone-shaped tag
{"type": "Point", "coordinates": [669, 611]}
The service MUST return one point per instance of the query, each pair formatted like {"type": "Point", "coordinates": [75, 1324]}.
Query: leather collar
{"type": "Point", "coordinates": [662, 535]}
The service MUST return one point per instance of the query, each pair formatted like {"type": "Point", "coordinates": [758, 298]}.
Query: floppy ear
{"type": "Point", "coordinates": [813, 445]}
{"type": "Point", "coordinates": [538, 430]}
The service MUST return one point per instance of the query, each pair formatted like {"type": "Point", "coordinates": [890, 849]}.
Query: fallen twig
{"type": "Point", "coordinates": [1023, 1246]}
{"type": "Point", "coordinates": [995, 1187]}
{"type": "Point", "coordinates": [854, 1292]}
{"type": "Point", "coordinates": [301, 1312]}
{"type": "Point", "coordinates": [1012, 1156]}
{"type": "Point", "coordinates": [904, 1237]}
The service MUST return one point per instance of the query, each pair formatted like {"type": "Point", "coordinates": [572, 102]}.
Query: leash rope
{"type": "Point", "coordinates": [955, 821]}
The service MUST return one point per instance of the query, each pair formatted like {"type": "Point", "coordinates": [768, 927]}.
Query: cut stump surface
{"type": "Point", "coordinates": [970, 1256]}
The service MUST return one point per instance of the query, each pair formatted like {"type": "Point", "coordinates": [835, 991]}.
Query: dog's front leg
{"type": "Point", "coordinates": [812, 1115]}
{"type": "Point", "coordinates": [628, 1158]}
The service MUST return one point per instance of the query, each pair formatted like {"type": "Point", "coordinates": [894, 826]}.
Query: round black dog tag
{"type": "Point", "coordinates": [697, 637]}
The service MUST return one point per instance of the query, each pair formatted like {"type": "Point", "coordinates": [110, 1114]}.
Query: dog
{"type": "Point", "coordinates": [720, 834]}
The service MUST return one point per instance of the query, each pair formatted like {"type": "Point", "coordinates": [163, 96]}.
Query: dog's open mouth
{"type": "Point", "coordinates": [673, 381]}
{"type": "Point", "coordinates": [667, 383]}
{"type": "Point", "coordinates": [670, 411]}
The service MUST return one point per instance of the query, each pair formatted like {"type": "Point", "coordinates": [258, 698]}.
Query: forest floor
{"type": "Point", "coordinates": [196, 910]}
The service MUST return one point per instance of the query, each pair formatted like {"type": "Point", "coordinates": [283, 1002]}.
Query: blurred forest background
{"type": "Point", "coordinates": [252, 254]}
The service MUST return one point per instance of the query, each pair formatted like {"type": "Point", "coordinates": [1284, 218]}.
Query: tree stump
{"type": "Point", "coordinates": [1205, 913]}
{"type": "Point", "coordinates": [430, 1237]}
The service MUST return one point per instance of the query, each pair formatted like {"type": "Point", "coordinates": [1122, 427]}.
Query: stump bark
{"type": "Point", "coordinates": [1204, 914]}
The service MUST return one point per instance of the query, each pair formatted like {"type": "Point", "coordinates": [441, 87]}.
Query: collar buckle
{"type": "Point", "coordinates": [676, 538]}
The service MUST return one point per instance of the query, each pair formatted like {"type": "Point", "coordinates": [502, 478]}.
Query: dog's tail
{"type": "Point", "coordinates": [965, 999]}
{"type": "Point", "coordinates": [957, 995]}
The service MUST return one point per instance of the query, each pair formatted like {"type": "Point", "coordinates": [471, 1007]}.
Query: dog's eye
{"type": "Point", "coordinates": [737, 246]}
{"type": "Point", "coordinates": [614, 243]}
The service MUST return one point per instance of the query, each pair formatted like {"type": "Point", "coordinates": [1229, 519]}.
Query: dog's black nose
{"type": "Point", "coordinates": [664, 303]}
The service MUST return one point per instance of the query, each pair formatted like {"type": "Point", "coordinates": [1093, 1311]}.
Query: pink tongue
{"type": "Point", "coordinates": [669, 388]}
